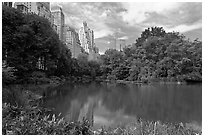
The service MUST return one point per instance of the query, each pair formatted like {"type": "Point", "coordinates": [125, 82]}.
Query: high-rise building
{"type": "Point", "coordinates": [87, 111]}
{"type": "Point", "coordinates": [86, 36]}
{"type": "Point", "coordinates": [52, 23]}
{"type": "Point", "coordinates": [94, 54]}
{"type": "Point", "coordinates": [72, 41]}
{"type": "Point", "coordinates": [74, 111]}
{"type": "Point", "coordinates": [40, 8]}
{"type": "Point", "coordinates": [9, 4]}
{"type": "Point", "coordinates": [58, 17]}
{"type": "Point", "coordinates": [91, 34]}
{"type": "Point", "coordinates": [22, 8]}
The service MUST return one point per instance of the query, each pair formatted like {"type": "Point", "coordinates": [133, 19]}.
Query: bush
{"type": "Point", "coordinates": [144, 79]}
{"type": "Point", "coordinates": [14, 96]}
{"type": "Point", "coordinates": [111, 77]}
{"type": "Point", "coordinates": [40, 121]}
{"type": "Point", "coordinates": [34, 121]}
{"type": "Point", "coordinates": [8, 74]}
{"type": "Point", "coordinates": [39, 77]}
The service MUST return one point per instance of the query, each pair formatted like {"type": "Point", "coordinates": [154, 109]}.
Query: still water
{"type": "Point", "coordinates": [110, 105]}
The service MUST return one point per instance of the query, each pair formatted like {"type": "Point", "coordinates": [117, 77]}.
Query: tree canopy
{"type": "Point", "coordinates": [29, 44]}
{"type": "Point", "coordinates": [156, 55]}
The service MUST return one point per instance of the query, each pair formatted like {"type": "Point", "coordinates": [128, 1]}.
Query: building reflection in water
{"type": "Point", "coordinates": [79, 111]}
{"type": "Point", "coordinates": [73, 113]}
{"type": "Point", "coordinates": [110, 104]}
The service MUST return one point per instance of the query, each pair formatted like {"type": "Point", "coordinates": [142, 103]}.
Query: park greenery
{"type": "Point", "coordinates": [32, 54]}
{"type": "Point", "coordinates": [156, 55]}
{"type": "Point", "coordinates": [34, 121]}
{"type": "Point", "coordinates": [32, 48]}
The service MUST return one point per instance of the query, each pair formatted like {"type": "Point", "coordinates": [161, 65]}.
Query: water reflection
{"type": "Point", "coordinates": [113, 104]}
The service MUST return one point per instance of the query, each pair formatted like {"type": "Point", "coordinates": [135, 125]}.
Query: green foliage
{"type": "Point", "coordinates": [35, 121]}
{"type": "Point", "coordinates": [82, 67]}
{"type": "Point", "coordinates": [30, 44]}
{"type": "Point", "coordinates": [155, 55]}
{"type": "Point", "coordinates": [31, 119]}
{"type": "Point", "coordinates": [94, 68]}
{"type": "Point", "coordinates": [113, 63]}
{"type": "Point", "coordinates": [150, 32]}
{"type": "Point", "coordinates": [8, 73]}
{"type": "Point", "coordinates": [38, 77]}
{"type": "Point", "coordinates": [83, 64]}
{"type": "Point", "coordinates": [14, 96]}
{"type": "Point", "coordinates": [142, 127]}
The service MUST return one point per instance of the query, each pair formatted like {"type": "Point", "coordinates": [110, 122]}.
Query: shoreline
{"type": "Point", "coordinates": [15, 123]}
{"type": "Point", "coordinates": [157, 82]}
{"type": "Point", "coordinates": [140, 127]}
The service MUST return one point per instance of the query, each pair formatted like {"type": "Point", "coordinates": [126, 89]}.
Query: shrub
{"type": "Point", "coordinates": [8, 73]}
{"type": "Point", "coordinates": [34, 121]}
{"type": "Point", "coordinates": [39, 77]}
{"type": "Point", "coordinates": [40, 121]}
{"type": "Point", "coordinates": [14, 95]}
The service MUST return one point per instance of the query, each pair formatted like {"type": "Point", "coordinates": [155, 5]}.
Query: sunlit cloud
{"type": "Point", "coordinates": [128, 20]}
{"type": "Point", "coordinates": [179, 17]}
{"type": "Point", "coordinates": [102, 33]}
{"type": "Point", "coordinates": [185, 28]}
{"type": "Point", "coordinates": [123, 38]}
{"type": "Point", "coordinates": [138, 12]}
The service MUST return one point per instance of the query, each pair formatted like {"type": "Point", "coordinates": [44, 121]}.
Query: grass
{"type": "Point", "coordinates": [27, 118]}
{"type": "Point", "coordinates": [39, 121]}
{"type": "Point", "coordinates": [143, 127]}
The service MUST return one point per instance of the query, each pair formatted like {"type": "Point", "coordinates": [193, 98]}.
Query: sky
{"type": "Point", "coordinates": [125, 21]}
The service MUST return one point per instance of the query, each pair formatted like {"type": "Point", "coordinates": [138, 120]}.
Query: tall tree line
{"type": "Point", "coordinates": [30, 45]}
{"type": "Point", "coordinates": [156, 55]}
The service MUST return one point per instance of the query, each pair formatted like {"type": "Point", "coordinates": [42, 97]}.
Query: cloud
{"type": "Point", "coordinates": [130, 19]}
{"type": "Point", "coordinates": [181, 17]}
{"type": "Point", "coordinates": [123, 38]}
{"type": "Point", "coordinates": [95, 14]}
{"type": "Point", "coordinates": [188, 13]}
{"type": "Point", "coordinates": [137, 12]}
{"type": "Point", "coordinates": [194, 34]}
{"type": "Point", "coordinates": [185, 28]}
{"type": "Point", "coordinates": [102, 33]}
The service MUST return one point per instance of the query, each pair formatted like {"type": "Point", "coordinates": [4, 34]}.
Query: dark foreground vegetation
{"type": "Point", "coordinates": [23, 115]}
{"type": "Point", "coordinates": [32, 53]}
{"type": "Point", "coordinates": [34, 121]}
{"type": "Point", "coordinates": [38, 121]}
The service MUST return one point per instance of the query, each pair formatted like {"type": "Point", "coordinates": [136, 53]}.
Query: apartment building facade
{"type": "Point", "coordinates": [59, 21]}
{"type": "Point", "coordinates": [86, 36]}
{"type": "Point", "coordinates": [72, 41]}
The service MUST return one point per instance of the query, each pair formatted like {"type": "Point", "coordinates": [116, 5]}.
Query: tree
{"type": "Point", "coordinates": [8, 74]}
{"type": "Point", "coordinates": [30, 44]}
{"type": "Point", "coordinates": [153, 31]}
{"type": "Point", "coordinates": [113, 63]}
{"type": "Point", "coordinates": [94, 69]}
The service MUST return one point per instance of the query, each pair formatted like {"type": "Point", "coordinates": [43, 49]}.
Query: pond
{"type": "Point", "coordinates": [110, 105]}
